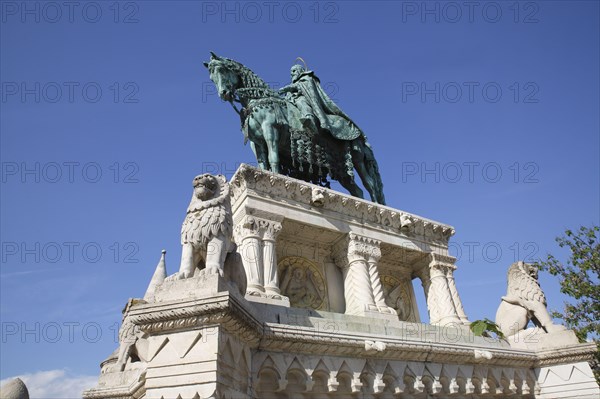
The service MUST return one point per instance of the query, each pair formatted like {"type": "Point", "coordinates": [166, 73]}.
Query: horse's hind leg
{"type": "Point", "coordinates": [349, 184]}
{"type": "Point", "coordinates": [367, 170]}
{"type": "Point", "coordinates": [365, 177]}
{"type": "Point", "coordinates": [271, 135]}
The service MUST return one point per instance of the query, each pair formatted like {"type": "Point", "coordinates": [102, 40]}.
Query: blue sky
{"type": "Point", "coordinates": [485, 117]}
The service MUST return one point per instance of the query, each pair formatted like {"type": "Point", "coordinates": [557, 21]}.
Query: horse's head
{"type": "Point", "coordinates": [224, 75]}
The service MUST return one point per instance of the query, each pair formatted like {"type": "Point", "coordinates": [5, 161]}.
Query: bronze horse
{"type": "Point", "coordinates": [282, 145]}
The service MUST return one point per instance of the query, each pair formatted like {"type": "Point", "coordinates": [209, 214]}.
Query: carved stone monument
{"type": "Point", "coordinates": [315, 300]}
{"type": "Point", "coordinates": [524, 302]}
{"type": "Point", "coordinates": [288, 289]}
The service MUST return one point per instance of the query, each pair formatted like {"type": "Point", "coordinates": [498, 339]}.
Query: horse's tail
{"type": "Point", "coordinates": [373, 171]}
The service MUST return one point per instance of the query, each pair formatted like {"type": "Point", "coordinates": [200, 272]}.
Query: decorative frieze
{"type": "Point", "coordinates": [249, 180]}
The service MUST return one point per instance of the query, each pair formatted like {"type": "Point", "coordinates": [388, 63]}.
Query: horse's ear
{"type": "Point", "coordinates": [214, 56]}
{"type": "Point", "coordinates": [205, 64]}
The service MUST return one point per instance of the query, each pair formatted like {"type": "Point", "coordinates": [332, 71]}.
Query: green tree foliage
{"type": "Point", "coordinates": [579, 278]}
{"type": "Point", "coordinates": [486, 327]}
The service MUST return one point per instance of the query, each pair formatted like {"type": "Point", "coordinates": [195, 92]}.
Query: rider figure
{"type": "Point", "coordinates": [299, 93]}
{"type": "Point", "coordinates": [317, 110]}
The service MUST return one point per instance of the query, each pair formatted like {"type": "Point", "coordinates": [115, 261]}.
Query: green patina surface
{"type": "Point", "coordinates": [298, 130]}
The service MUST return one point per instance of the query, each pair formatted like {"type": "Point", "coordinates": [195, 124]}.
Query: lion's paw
{"type": "Point", "coordinates": [176, 276]}
{"type": "Point", "coordinates": [213, 269]}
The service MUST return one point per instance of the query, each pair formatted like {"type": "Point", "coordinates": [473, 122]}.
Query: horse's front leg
{"type": "Point", "coordinates": [258, 146]}
{"type": "Point", "coordinates": [260, 153]}
{"type": "Point", "coordinates": [271, 135]}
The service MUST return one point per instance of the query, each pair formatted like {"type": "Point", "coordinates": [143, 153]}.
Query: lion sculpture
{"type": "Point", "coordinates": [206, 233]}
{"type": "Point", "coordinates": [524, 301]}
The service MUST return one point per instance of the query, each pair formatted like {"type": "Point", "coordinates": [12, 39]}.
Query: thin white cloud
{"type": "Point", "coordinates": [55, 384]}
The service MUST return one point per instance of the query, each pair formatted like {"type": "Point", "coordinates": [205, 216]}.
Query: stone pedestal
{"type": "Point", "coordinates": [378, 250]}
{"type": "Point", "coordinates": [326, 310]}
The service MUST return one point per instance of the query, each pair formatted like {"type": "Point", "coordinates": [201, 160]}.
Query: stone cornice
{"type": "Point", "coordinates": [282, 338]}
{"type": "Point", "coordinates": [236, 316]}
{"type": "Point", "coordinates": [569, 354]}
{"type": "Point", "coordinates": [135, 390]}
{"type": "Point", "coordinates": [223, 309]}
{"type": "Point", "coordinates": [249, 180]}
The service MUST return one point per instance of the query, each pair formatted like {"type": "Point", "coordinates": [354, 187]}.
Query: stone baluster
{"type": "Point", "coordinates": [469, 386]}
{"type": "Point", "coordinates": [453, 387]}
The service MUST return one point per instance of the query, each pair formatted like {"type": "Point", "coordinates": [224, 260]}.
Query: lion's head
{"type": "Point", "coordinates": [209, 191]}
{"type": "Point", "coordinates": [205, 186]}
{"type": "Point", "coordinates": [209, 212]}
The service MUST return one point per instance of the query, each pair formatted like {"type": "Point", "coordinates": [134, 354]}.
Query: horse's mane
{"type": "Point", "coordinates": [249, 78]}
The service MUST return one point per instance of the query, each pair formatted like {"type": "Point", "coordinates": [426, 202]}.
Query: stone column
{"type": "Point", "coordinates": [270, 230]}
{"type": "Point", "coordinates": [438, 294]}
{"type": "Point", "coordinates": [376, 285]}
{"type": "Point", "coordinates": [357, 256]}
{"type": "Point", "coordinates": [357, 286]}
{"type": "Point", "coordinates": [248, 232]}
{"type": "Point", "coordinates": [432, 308]}
{"type": "Point", "coordinates": [455, 298]}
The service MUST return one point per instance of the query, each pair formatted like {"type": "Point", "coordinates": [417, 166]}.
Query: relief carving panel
{"type": "Point", "coordinates": [303, 282]}
{"type": "Point", "coordinates": [398, 297]}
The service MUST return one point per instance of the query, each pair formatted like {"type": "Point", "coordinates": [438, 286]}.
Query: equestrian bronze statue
{"type": "Point", "coordinates": [298, 130]}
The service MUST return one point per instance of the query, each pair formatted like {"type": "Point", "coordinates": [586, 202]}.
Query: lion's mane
{"type": "Point", "coordinates": [522, 284]}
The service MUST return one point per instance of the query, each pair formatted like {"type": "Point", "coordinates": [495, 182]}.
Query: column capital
{"type": "Point", "coordinates": [269, 229]}
{"type": "Point", "coordinates": [441, 263]}
{"type": "Point", "coordinates": [247, 227]}
{"type": "Point", "coordinates": [355, 246]}
{"type": "Point", "coordinates": [251, 226]}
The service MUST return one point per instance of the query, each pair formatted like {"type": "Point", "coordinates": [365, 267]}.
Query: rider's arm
{"type": "Point", "coordinates": [288, 89]}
